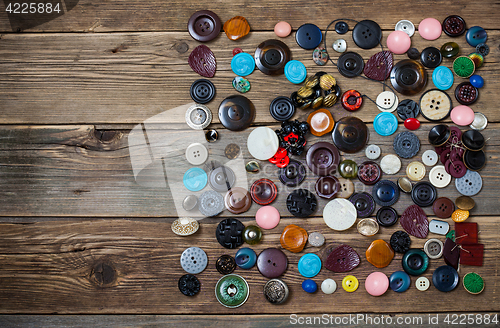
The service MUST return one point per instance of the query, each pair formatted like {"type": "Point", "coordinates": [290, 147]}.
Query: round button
{"type": "Point", "coordinates": [301, 203]}
{"type": "Point", "coordinates": [367, 227]}
{"type": "Point", "coordinates": [211, 135]}
{"type": "Point", "coordinates": [350, 283]}
{"type": "Point", "coordinates": [385, 124]}
{"type": "Point", "coordinates": [322, 158]}
{"type": "Point", "coordinates": [185, 226]}
{"type": "Point", "coordinates": [195, 179]}
{"type": "Point", "coordinates": [282, 29]}
{"type": "Point", "coordinates": [474, 160]}
{"type": "Point", "coordinates": [348, 169]}
{"type": "Point", "coordinates": [434, 248]}
{"type": "Point", "coordinates": [252, 235]}
{"type": "Point", "coordinates": [413, 53]}
{"type": "Point", "coordinates": [435, 105]}
{"type": "Point", "coordinates": [339, 214]}
{"type": "Point", "coordinates": [439, 177]}
{"type": "Point", "coordinates": [422, 284]}
{"type": "Point", "coordinates": [483, 49]}
{"type": "Point", "coordinates": [466, 93]}
{"type": "Point", "coordinates": [429, 29]}
{"type": "Point", "coordinates": [194, 260]}
{"type": "Point", "coordinates": [198, 116]}
{"type": "Point", "coordinates": [262, 143]}
{"type": "Point", "coordinates": [408, 77]}
{"type": "Point", "coordinates": [327, 187]}
{"type": "Point", "coordinates": [473, 283]}
{"type": "Point", "coordinates": [406, 144]}
{"type": "Point", "coordinates": [473, 140]}
{"type": "Point", "coordinates": [399, 281]}
{"type": "Point", "coordinates": [464, 66]}
{"type": "Point", "coordinates": [369, 172]}
{"type": "Point", "coordinates": [293, 238]}
{"type": "Point", "coordinates": [309, 286]}
{"type": "Point", "coordinates": [346, 188]}
{"type": "Point", "coordinates": [341, 27]}
{"type": "Point", "coordinates": [282, 108]}
{"type": "Point", "coordinates": [387, 101]}
{"type": "Point", "coordinates": [352, 100]}
{"type": "Point", "coordinates": [415, 171]}
{"type": "Point", "coordinates": [476, 35]}
{"type": "Point", "coordinates": [202, 91]}
{"type": "Point", "coordinates": [449, 49]}
{"type": "Point", "coordinates": [367, 34]}
{"type": "Point", "coordinates": [225, 264]}
{"type": "Point", "coordinates": [376, 283]}
{"type": "Point", "coordinates": [238, 200]}
{"type": "Point", "coordinates": [453, 26]}
{"type": "Point", "coordinates": [350, 64]}
{"type": "Point", "coordinates": [387, 216]}
{"type": "Point", "coordinates": [443, 207]}
{"type": "Point", "coordinates": [308, 36]}
{"type": "Point", "coordinates": [405, 184]}
{"type": "Point", "coordinates": [232, 291]}
{"type": "Point", "coordinates": [267, 217]}
{"type": "Point", "coordinates": [364, 204]}
{"type": "Point", "coordinates": [442, 77]}
{"type": "Point", "coordinates": [339, 45]}
{"type": "Point", "coordinates": [236, 112]}
{"type": "Point", "coordinates": [415, 262]}
{"type": "Point", "coordinates": [350, 134]}
{"type": "Point", "coordinates": [320, 122]}
{"type": "Point", "coordinates": [272, 263]}
{"type": "Point", "coordinates": [229, 233]}
{"type": "Point", "coordinates": [470, 184]}
{"type": "Point", "coordinates": [309, 265]}
{"type": "Point", "coordinates": [263, 191]}
{"type": "Point", "coordinates": [480, 122]}
{"type": "Point", "coordinates": [292, 174]}
{"type": "Point", "coordinates": [430, 157]}
{"type": "Point", "coordinates": [237, 51]}
{"type": "Point", "coordinates": [445, 278]}
{"type": "Point", "coordinates": [232, 151]}
{"type": "Point", "coordinates": [276, 291]}
{"type": "Point", "coordinates": [431, 57]}
{"type": "Point", "coordinates": [477, 59]}
{"type": "Point", "coordinates": [372, 151]}
{"type": "Point", "coordinates": [385, 193]}
{"type": "Point", "coordinates": [210, 203]}
{"type": "Point", "coordinates": [295, 71]}
{"type": "Point", "coordinates": [408, 109]}
{"type": "Point", "coordinates": [400, 242]}
{"type": "Point", "coordinates": [196, 154]}
{"type": "Point", "coordinates": [405, 26]}
{"type": "Point", "coordinates": [423, 194]}
{"type": "Point", "coordinates": [189, 285]}
{"type": "Point", "coordinates": [462, 115]}
{"type": "Point", "coordinates": [316, 239]}
{"type": "Point", "coordinates": [204, 25]}
{"type": "Point", "coordinates": [245, 258]}
{"type": "Point", "coordinates": [439, 135]}
{"type": "Point", "coordinates": [222, 179]}
{"type": "Point", "coordinates": [328, 286]}
{"type": "Point", "coordinates": [398, 42]}
{"type": "Point", "coordinates": [242, 64]}
{"type": "Point", "coordinates": [271, 57]}
{"type": "Point", "coordinates": [455, 168]}
{"type": "Point", "coordinates": [320, 56]}
{"type": "Point", "coordinates": [465, 203]}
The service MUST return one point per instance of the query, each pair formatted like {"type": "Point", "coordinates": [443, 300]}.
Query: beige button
{"type": "Point", "coordinates": [368, 227]}
{"type": "Point", "coordinates": [422, 284]}
{"type": "Point", "coordinates": [196, 153]}
{"type": "Point", "coordinates": [339, 214]}
{"type": "Point", "coordinates": [435, 105]}
{"type": "Point", "coordinates": [387, 101]}
{"type": "Point", "coordinates": [439, 177]}
{"type": "Point", "coordinates": [390, 164]}
{"type": "Point", "coordinates": [346, 188]}
{"type": "Point", "coordinates": [415, 171]}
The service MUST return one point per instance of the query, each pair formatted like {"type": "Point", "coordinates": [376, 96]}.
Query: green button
{"type": "Point", "coordinates": [415, 262]}
{"type": "Point", "coordinates": [449, 49]}
{"type": "Point", "coordinates": [232, 291]}
{"type": "Point", "coordinates": [348, 169]}
{"type": "Point", "coordinates": [252, 235]}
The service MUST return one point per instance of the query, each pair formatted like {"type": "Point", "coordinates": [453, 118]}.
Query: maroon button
{"type": "Point", "coordinates": [238, 200]}
{"type": "Point", "coordinates": [204, 25]}
{"type": "Point", "coordinates": [443, 207]}
{"type": "Point", "coordinates": [263, 191]}
{"type": "Point", "coordinates": [441, 149]}
{"type": "Point", "coordinates": [415, 222]}
{"type": "Point", "coordinates": [445, 155]}
{"type": "Point", "coordinates": [379, 68]}
{"type": "Point", "coordinates": [237, 51]}
{"type": "Point", "coordinates": [369, 173]}
{"type": "Point", "coordinates": [456, 154]}
{"type": "Point", "coordinates": [451, 253]}
{"type": "Point", "coordinates": [466, 93]}
{"type": "Point", "coordinates": [272, 263]}
{"type": "Point", "coordinates": [454, 25]}
{"type": "Point", "coordinates": [327, 187]}
{"type": "Point", "coordinates": [455, 135]}
{"type": "Point", "coordinates": [202, 61]}
{"type": "Point", "coordinates": [323, 158]}
{"type": "Point", "coordinates": [456, 169]}
{"type": "Point", "coordinates": [412, 123]}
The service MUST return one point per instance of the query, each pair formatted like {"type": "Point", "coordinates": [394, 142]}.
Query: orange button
{"type": "Point", "coordinates": [293, 238]}
{"type": "Point", "coordinates": [320, 122]}
{"type": "Point", "coordinates": [379, 253]}
{"type": "Point", "coordinates": [459, 215]}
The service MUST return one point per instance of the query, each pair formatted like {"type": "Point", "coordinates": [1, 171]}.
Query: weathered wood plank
{"type": "Point", "coordinates": [129, 77]}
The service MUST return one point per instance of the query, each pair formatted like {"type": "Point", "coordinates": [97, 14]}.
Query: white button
{"type": "Point", "coordinates": [422, 284]}
{"type": "Point", "coordinates": [439, 227]}
{"type": "Point", "coordinates": [390, 164]}
{"type": "Point", "coordinates": [430, 157]}
{"type": "Point", "coordinates": [339, 214]}
{"type": "Point", "coordinates": [415, 171]}
{"type": "Point", "coordinates": [387, 101]}
{"type": "Point", "coordinates": [434, 248]}
{"type": "Point", "coordinates": [372, 152]}
{"type": "Point", "coordinates": [439, 177]}
{"type": "Point", "coordinates": [198, 116]}
{"type": "Point", "coordinates": [196, 153]}
{"type": "Point", "coordinates": [339, 45]}
{"type": "Point", "coordinates": [405, 26]}
{"type": "Point", "coordinates": [480, 122]}
{"type": "Point", "coordinates": [328, 286]}
{"type": "Point", "coordinates": [262, 143]}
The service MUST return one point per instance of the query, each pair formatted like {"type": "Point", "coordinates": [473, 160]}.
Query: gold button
{"type": "Point", "coordinates": [415, 171]}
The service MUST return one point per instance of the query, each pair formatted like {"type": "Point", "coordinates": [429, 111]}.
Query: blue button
{"type": "Point", "coordinates": [195, 179]}
{"type": "Point", "coordinates": [308, 36]}
{"type": "Point", "coordinates": [476, 35]}
{"type": "Point", "coordinates": [245, 258]}
{"type": "Point", "coordinates": [477, 81]}
{"type": "Point", "coordinates": [445, 278]}
{"type": "Point", "coordinates": [385, 193]}
{"type": "Point", "coordinates": [442, 77]}
{"type": "Point", "coordinates": [385, 123]}
{"type": "Point", "coordinates": [243, 64]}
{"type": "Point", "coordinates": [309, 265]}
{"type": "Point", "coordinates": [309, 286]}
{"type": "Point", "coordinates": [295, 71]}
{"type": "Point", "coordinates": [399, 281]}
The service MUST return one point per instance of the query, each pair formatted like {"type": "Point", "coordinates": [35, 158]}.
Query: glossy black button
{"type": "Point", "coordinates": [341, 27]}
{"type": "Point", "coordinates": [212, 135]}
{"type": "Point", "coordinates": [301, 203]}
{"type": "Point", "coordinates": [415, 262]}
{"type": "Point", "coordinates": [236, 112]}
{"type": "Point", "coordinates": [406, 144]}
{"type": "Point", "coordinates": [439, 135]}
{"type": "Point", "coordinates": [367, 34]}
{"type": "Point", "coordinates": [189, 285]}
{"type": "Point", "coordinates": [385, 193]}
{"type": "Point", "coordinates": [408, 77]}
{"type": "Point", "coordinates": [282, 108]}
{"type": "Point", "coordinates": [466, 93]}
{"type": "Point", "coordinates": [204, 25]}
{"type": "Point", "coordinates": [423, 194]}
{"type": "Point", "coordinates": [271, 57]}
{"type": "Point", "coordinates": [473, 140]}
{"type": "Point", "coordinates": [400, 242]}
{"type": "Point", "coordinates": [474, 160]}
{"type": "Point", "coordinates": [369, 172]}
{"type": "Point", "coordinates": [454, 25]}
{"type": "Point", "coordinates": [387, 216]}
{"type": "Point", "coordinates": [327, 187]}
{"type": "Point", "coordinates": [445, 278]}
{"type": "Point", "coordinates": [413, 53]}
{"type": "Point", "coordinates": [308, 36]}
{"type": "Point", "coordinates": [225, 264]}
{"type": "Point", "coordinates": [364, 204]}
{"type": "Point", "coordinates": [229, 233]}
{"type": "Point", "coordinates": [431, 57]}
{"type": "Point", "coordinates": [322, 158]}
{"type": "Point", "coordinates": [202, 91]}
{"type": "Point", "coordinates": [408, 108]}
{"type": "Point", "coordinates": [350, 64]}
{"type": "Point", "coordinates": [350, 134]}
{"type": "Point", "coordinates": [292, 174]}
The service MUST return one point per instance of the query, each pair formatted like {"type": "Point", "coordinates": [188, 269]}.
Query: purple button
{"type": "Point", "coordinates": [456, 169]}
{"type": "Point", "coordinates": [272, 263]}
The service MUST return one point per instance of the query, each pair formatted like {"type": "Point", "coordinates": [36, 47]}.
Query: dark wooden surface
{"type": "Point", "coordinates": [72, 89]}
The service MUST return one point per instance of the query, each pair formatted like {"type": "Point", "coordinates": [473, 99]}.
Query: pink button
{"type": "Point", "coordinates": [282, 29]}
{"type": "Point", "coordinates": [376, 283]}
{"type": "Point", "coordinates": [267, 217]}
{"type": "Point", "coordinates": [398, 42]}
{"type": "Point", "coordinates": [430, 29]}
{"type": "Point", "coordinates": [462, 115]}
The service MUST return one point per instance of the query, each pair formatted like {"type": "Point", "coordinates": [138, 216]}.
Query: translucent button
{"type": "Point", "coordinates": [415, 171]}
{"type": "Point", "coordinates": [339, 45]}
{"type": "Point", "coordinates": [372, 152]}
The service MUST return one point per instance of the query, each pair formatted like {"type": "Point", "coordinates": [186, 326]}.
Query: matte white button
{"type": "Point", "coordinates": [339, 45]}
{"type": "Point", "coordinates": [415, 171]}
{"type": "Point", "coordinates": [328, 286]}
{"type": "Point", "coordinates": [372, 152]}
{"type": "Point", "coordinates": [262, 143]}
{"type": "Point", "coordinates": [422, 284]}
{"type": "Point", "coordinates": [387, 101]}
{"type": "Point", "coordinates": [405, 26]}
{"type": "Point", "coordinates": [439, 177]}
{"type": "Point", "coordinates": [439, 227]}
{"type": "Point", "coordinates": [430, 157]}
{"type": "Point", "coordinates": [196, 153]}
{"type": "Point", "coordinates": [339, 214]}
{"type": "Point", "coordinates": [390, 164]}
{"type": "Point", "coordinates": [434, 248]}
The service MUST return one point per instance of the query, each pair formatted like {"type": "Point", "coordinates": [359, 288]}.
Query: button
{"type": "Point", "coordinates": [295, 71]}
{"type": "Point", "coordinates": [202, 61]}
{"type": "Point", "coordinates": [276, 291]}
{"type": "Point", "coordinates": [350, 134]}
{"type": "Point", "coordinates": [282, 29]}
{"type": "Point", "coordinates": [454, 26]}
{"type": "Point", "coordinates": [474, 160]}
{"type": "Point", "coordinates": [379, 66]}
{"type": "Point", "coordinates": [196, 153]}
{"type": "Point", "coordinates": [464, 66]}
{"type": "Point", "coordinates": [267, 217]}
{"type": "Point", "coordinates": [225, 264]}
{"type": "Point", "coordinates": [282, 108]}
{"type": "Point", "coordinates": [423, 194]}
{"type": "Point", "coordinates": [405, 184]}
{"type": "Point", "coordinates": [367, 227]}
{"type": "Point", "coordinates": [328, 286]}
{"type": "Point", "coordinates": [341, 27]}
{"type": "Point", "coordinates": [443, 207]}
{"type": "Point", "coordinates": [439, 135]}
{"type": "Point", "coordinates": [406, 144]}
{"type": "Point", "coordinates": [293, 174]}
{"type": "Point", "coordinates": [415, 262]}
{"type": "Point", "coordinates": [210, 203]}
{"type": "Point", "coordinates": [232, 151]}
{"type": "Point", "coordinates": [271, 57]}
{"type": "Point", "coordinates": [198, 116]}
{"type": "Point", "coordinates": [476, 35]}
{"type": "Point", "coordinates": [385, 124]}
{"type": "Point", "coordinates": [350, 283]}
{"type": "Point", "coordinates": [399, 281]}
{"type": "Point", "coordinates": [348, 169]}
{"type": "Point", "coordinates": [309, 265]}
{"type": "Point", "coordinates": [352, 100]}
{"type": "Point", "coordinates": [339, 214]}
{"type": "Point", "coordinates": [202, 91]}
{"type": "Point", "coordinates": [367, 34]}
{"type": "Point", "coordinates": [339, 45]}
{"type": "Point", "coordinates": [364, 204]}
{"type": "Point", "coordinates": [408, 77]}
{"type": "Point", "coordinates": [460, 215]}
{"type": "Point", "coordinates": [238, 200]}
{"type": "Point", "coordinates": [195, 179]}
{"type": "Point", "coordinates": [385, 193]}
{"type": "Point", "coordinates": [462, 115]}
{"type": "Point", "coordinates": [431, 57]}
{"type": "Point", "coordinates": [237, 51]}
{"type": "Point", "coordinates": [323, 158]}
{"type": "Point", "coordinates": [236, 113]}
{"type": "Point", "coordinates": [293, 238]}
{"type": "Point", "coordinates": [189, 285]}
{"type": "Point", "coordinates": [405, 26]}
{"type": "Point", "coordinates": [320, 122]}
{"type": "Point", "coordinates": [435, 105]}
{"type": "Point", "coordinates": [211, 135]}
{"type": "Point", "coordinates": [272, 263]}
{"type": "Point", "coordinates": [387, 216]}
{"type": "Point", "coordinates": [204, 25]}
{"type": "Point", "coordinates": [252, 235]}
{"type": "Point", "coordinates": [465, 203]}
{"type": "Point", "coordinates": [373, 152]}
{"type": "Point", "coordinates": [245, 258]}
{"type": "Point", "coordinates": [473, 283]}
{"type": "Point", "coordinates": [263, 191]}
{"type": "Point", "coordinates": [480, 122]}
{"type": "Point", "coordinates": [456, 169]}
{"type": "Point", "coordinates": [346, 188]}
{"type": "Point", "coordinates": [376, 283]}
{"type": "Point", "coordinates": [242, 64]}
{"type": "Point", "coordinates": [194, 260]}
{"type": "Point", "coordinates": [430, 157]}
{"type": "Point", "coordinates": [422, 284]}
{"type": "Point", "coordinates": [387, 101]}
{"type": "Point", "coordinates": [477, 59]}
{"type": "Point", "coordinates": [483, 49]}
{"type": "Point", "coordinates": [308, 36]}
{"type": "Point", "coordinates": [229, 233]}
{"type": "Point", "coordinates": [439, 177]}
{"type": "Point", "coordinates": [379, 253]}
{"type": "Point", "coordinates": [327, 187]}
{"type": "Point", "coordinates": [408, 109]}
{"type": "Point", "coordinates": [445, 278]}
{"type": "Point", "coordinates": [316, 239]}
{"type": "Point", "coordinates": [222, 179]}
{"type": "Point", "coordinates": [442, 77]}
{"type": "Point", "coordinates": [262, 143]}
{"type": "Point", "coordinates": [236, 28]}
{"type": "Point", "coordinates": [412, 124]}
{"type": "Point", "coordinates": [439, 227]}
{"type": "Point", "coordinates": [414, 221]}
{"type": "Point", "coordinates": [413, 53]}
{"type": "Point", "coordinates": [400, 242]}
{"type": "Point", "coordinates": [369, 172]}
{"type": "Point", "coordinates": [301, 203]}
{"type": "Point", "coordinates": [470, 184]}
{"type": "Point", "coordinates": [429, 29]}
{"type": "Point", "coordinates": [309, 286]}
{"type": "Point", "coordinates": [451, 253]}
{"type": "Point", "coordinates": [449, 49]}
{"type": "Point", "coordinates": [350, 64]}
{"type": "Point", "coordinates": [341, 259]}
{"type": "Point", "coordinates": [320, 56]}
{"type": "Point", "coordinates": [232, 291]}
{"type": "Point", "coordinates": [466, 233]}
{"type": "Point", "coordinates": [473, 140]}
{"type": "Point", "coordinates": [185, 226]}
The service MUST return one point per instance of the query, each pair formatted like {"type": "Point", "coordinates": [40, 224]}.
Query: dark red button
{"type": "Point", "coordinates": [412, 123]}
{"type": "Point", "coordinates": [415, 222]}
{"type": "Point", "coordinates": [456, 169]}
{"type": "Point", "coordinates": [466, 93]}
{"type": "Point", "coordinates": [202, 61]}
{"type": "Point", "coordinates": [443, 207]}
{"type": "Point", "coordinates": [472, 254]}
{"type": "Point", "coordinates": [369, 172]}
{"type": "Point", "coordinates": [379, 66]}
{"type": "Point", "coordinates": [323, 158]}
{"type": "Point", "coordinates": [204, 25]}
{"type": "Point", "coordinates": [272, 263]}
{"type": "Point", "coordinates": [454, 25]}
{"type": "Point", "coordinates": [451, 253]}
{"type": "Point", "coordinates": [352, 100]}
{"type": "Point", "coordinates": [263, 191]}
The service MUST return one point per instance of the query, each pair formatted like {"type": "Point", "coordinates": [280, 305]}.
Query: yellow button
{"type": "Point", "coordinates": [459, 215]}
{"type": "Point", "coordinates": [350, 283]}
{"type": "Point", "coordinates": [415, 171]}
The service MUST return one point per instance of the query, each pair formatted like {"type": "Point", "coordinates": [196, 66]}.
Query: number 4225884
{"type": "Point", "coordinates": [32, 8]}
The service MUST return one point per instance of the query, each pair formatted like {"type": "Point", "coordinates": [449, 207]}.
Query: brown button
{"type": "Point", "coordinates": [238, 200]}
{"type": "Point", "coordinates": [271, 57]}
{"type": "Point", "coordinates": [415, 222]}
{"type": "Point", "coordinates": [293, 238]}
{"type": "Point", "coordinates": [350, 134]}
{"type": "Point", "coordinates": [320, 122]}
{"type": "Point", "coordinates": [327, 187]}
{"type": "Point", "coordinates": [323, 158]}
{"type": "Point", "coordinates": [236, 112]}
{"type": "Point", "coordinates": [236, 28]}
{"type": "Point", "coordinates": [465, 203]}
{"type": "Point", "coordinates": [346, 188]}
{"type": "Point", "coordinates": [379, 253]}
{"type": "Point", "coordinates": [272, 263]}
{"type": "Point", "coordinates": [202, 61]}
{"type": "Point", "coordinates": [204, 25]}
{"type": "Point", "coordinates": [263, 191]}
{"type": "Point", "coordinates": [443, 207]}
{"type": "Point", "coordinates": [232, 151]}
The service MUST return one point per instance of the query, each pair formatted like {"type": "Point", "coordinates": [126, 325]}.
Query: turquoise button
{"type": "Point", "coordinates": [195, 179]}
{"type": "Point", "coordinates": [476, 35]}
{"type": "Point", "coordinates": [242, 64]}
{"type": "Point", "coordinates": [399, 281]}
{"type": "Point", "coordinates": [309, 265]}
{"type": "Point", "coordinates": [442, 77]}
{"type": "Point", "coordinates": [295, 71]}
{"type": "Point", "coordinates": [245, 258]}
{"type": "Point", "coordinates": [385, 123]}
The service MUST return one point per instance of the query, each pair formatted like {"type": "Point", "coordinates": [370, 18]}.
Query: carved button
{"type": "Point", "coordinates": [408, 109]}
{"type": "Point", "coordinates": [350, 134]}
{"type": "Point", "coordinates": [369, 172]}
{"type": "Point", "coordinates": [379, 66]}
{"type": "Point", "coordinates": [340, 259]}
{"type": "Point", "coordinates": [408, 77]}
{"type": "Point", "coordinates": [442, 77]}
{"type": "Point", "coordinates": [406, 144]}
{"type": "Point", "coordinates": [454, 25]}
{"type": "Point", "coordinates": [229, 233]}
{"type": "Point", "coordinates": [271, 57]}
{"type": "Point", "coordinates": [327, 187]}
{"type": "Point", "coordinates": [210, 203]}
{"type": "Point", "coordinates": [204, 25]}
{"type": "Point", "coordinates": [414, 221]}
{"type": "Point", "coordinates": [400, 242]}
{"type": "Point", "coordinates": [202, 61]}
{"type": "Point", "coordinates": [189, 285]}
{"type": "Point", "coordinates": [464, 66]}
{"type": "Point", "coordinates": [385, 124]}
{"type": "Point", "coordinates": [276, 291]}
{"type": "Point", "coordinates": [225, 264]}
{"type": "Point", "coordinates": [272, 263]}
{"type": "Point", "coordinates": [301, 203]}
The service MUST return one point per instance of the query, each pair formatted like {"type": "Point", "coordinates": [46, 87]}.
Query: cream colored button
{"type": "Point", "coordinates": [422, 284]}
{"type": "Point", "coordinates": [434, 248]}
{"type": "Point", "coordinates": [196, 153]}
{"type": "Point", "coordinates": [368, 227]}
{"type": "Point", "coordinates": [346, 188]}
{"type": "Point", "coordinates": [339, 214]}
{"type": "Point", "coordinates": [262, 143]}
{"type": "Point", "coordinates": [372, 152]}
{"type": "Point", "coordinates": [439, 177]}
{"type": "Point", "coordinates": [390, 164]}
{"type": "Point", "coordinates": [387, 101]}
{"type": "Point", "coordinates": [328, 286]}
{"type": "Point", "coordinates": [415, 171]}
{"type": "Point", "coordinates": [435, 105]}
{"type": "Point", "coordinates": [430, 157]}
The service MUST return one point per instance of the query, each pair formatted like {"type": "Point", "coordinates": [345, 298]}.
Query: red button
{"type": "Point", "coordinates": [352, 100]}
{"type": "Point", "coordinates": [412, 123]}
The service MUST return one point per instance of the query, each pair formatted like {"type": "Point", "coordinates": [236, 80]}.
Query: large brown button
{"type": "Point", "coordinates": [408, 77]}
{"type": "Point", "coordinates": [263, 191]}
{"type": "Point", "coordinates": [443, 207]}
{"type": "Point", "coordinates": [238, 200]}
{"type": "Point", "coordinates": [271, 57]}
{"type": "Point", "coordinates": [350, 134]}
{"type": "Point", "coordinates": [327, 187]}
{"type": "Point", "coordinates": [323, 158]}
{"type": "Point", "coordinates": [204, 25]}
{"type": "Point", "coordinates": [272, 263]}
{"type": "Point", "coordinates": [293, 238]}
{"type": "Point", "coordinates": [236, 28]}
{"type": "Point", "coordinates": [236, 112]}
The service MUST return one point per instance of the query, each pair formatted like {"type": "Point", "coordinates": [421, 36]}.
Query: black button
{"type": "Point", "coordinates": [473, 140]}
{"type": "Point", "coordinates": [350, 134]}
{"type": "Point", "coordinates": [445, 278]}
{"type": "Point", "coordinates": [364, 204]}
{"type": "Point", "coordinates": [236, 112]}
{"type": "Point", "coordinates": [406, 144]}
{"type": "Point", "coordinates": [225, 264]}
{"type": "Point", "coordinates": [423, 194]}
{"type": "Point", "coordinates": [204, 25]}
{"type": "Point", "coordinates": [271, 57]}
{"type": "Point", "coordinates": [202, 91]}
{"type": "Point", "coordinates": [431, 57]}
{"type": "Point", "coordinates": [474, 160]}
{"type": "Point", "coordinates": [308, 36]}
{"type": "Point", "coordinates": [212, 135]}
{"type": "Point", "coordinates": [385, 193]}
{"type": "Point", "coordinates": [189, 285]}
{"type": "Point", "coordinates": [454, 25]}
{"type": "Point", "coordinates": [439, 135]}
{"type": "Point", "coordinates": [229, 233]}
{"type": "Point", "coordinates": [408, 109]}
{"type": "Point", "coordinates": [341, 27]}
{"type": "Point", "coordinates": [350, 64]}
{"type": "Point", "coordinates": [292, 174]}
{"type": "Point", "coordinates": [408, 77]}
{"type": "Point", "coordinates": [282, 109]}
{"type": "Point", "coordinates": [367, 34]}
{"type": "Point", "coordinates": [301, 203]}
{"type": "Point", "coordinates": [400, 242]}
{"type": "Point", "coordinates": [387, 216]}
{"type": "Point", "coordinates": [466, 93]}
{"type": "Point", "coordinates": [415, 262]}
{"type": "Point", "coordinates": [413, 53]}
